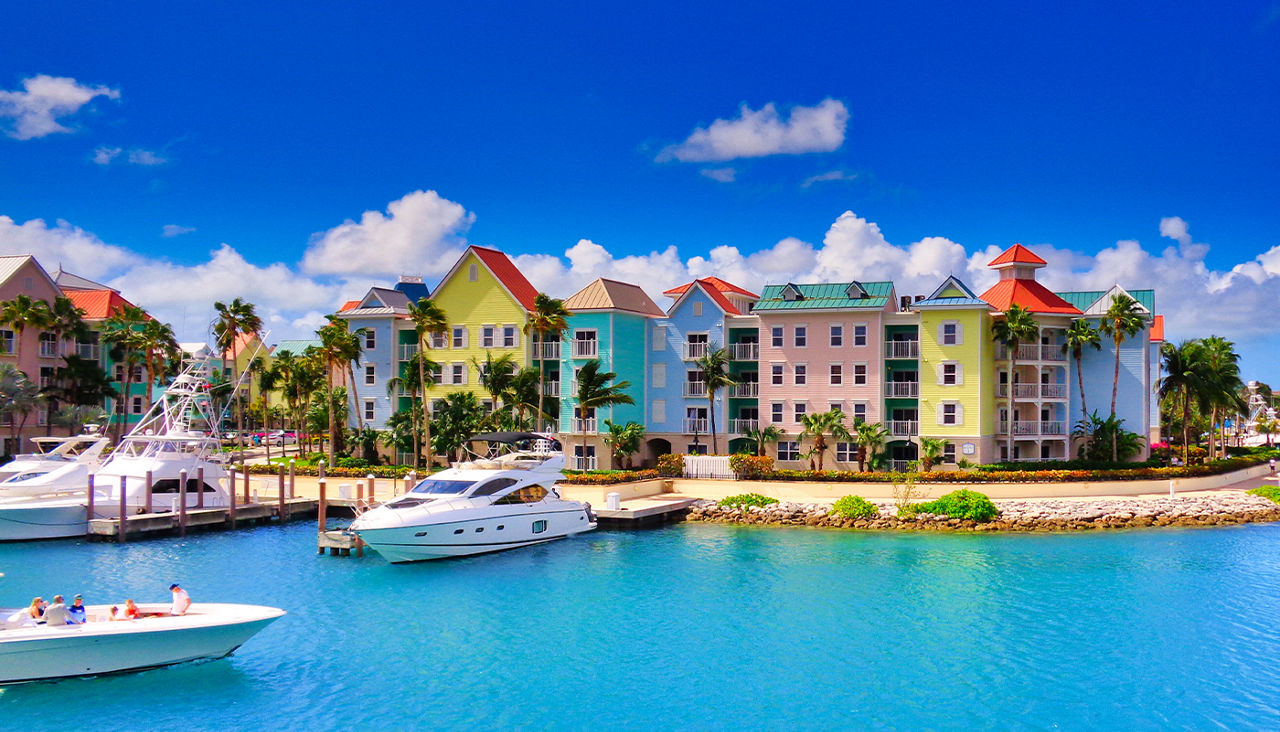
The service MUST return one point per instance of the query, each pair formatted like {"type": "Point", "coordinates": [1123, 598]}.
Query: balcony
{"type": "Point", "coordinates": [583, 425]}
{"type": "Point", "coordinates": [693, 351]}
{"type": "Point", "coordinates": [89, 351]}
{"type": "Point", "coordinates": [902, 349]}
{"type": "Point", "coordinates": [1053, 391]}
{"type": "Point", "coordinates": [694, 388]}
{"type": "Point", "coordinates": [1034, 352]}
{"type": "Point", "coordinates": [408, 351]}
{"type": "Point", "coordinates": [551, 388]}
{"type": "Point", "coordinates": [903, 428]}
{"type": "Point", "coordinates": [585, 349]}
{"type": "Point", "coordinates": [902, 389]}
{"type": "Point", "coordinates": [549, 351]}
{"type": "Point", "coordinates": [744, 351]}
{"type": "Point", "coordinates": [1032, 391]}
{"type": "Point", "coordinates": [743, 426]}
{"type": "Point", "coordinates": [695, 426]}
{"type": "Point", "coordinates": [48, 349]}
{"type": "Point", "coordinates": [1033, 428]}
{"type": "Point", "coordinates": [1026, 391]}
{"type": "Point", "coordinates": [745, 390]}
{"type": "Point", "coordinates": [587, 462]}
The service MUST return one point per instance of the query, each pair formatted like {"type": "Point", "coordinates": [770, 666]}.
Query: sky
{"type": "Point", "coordinates": [296, 154]}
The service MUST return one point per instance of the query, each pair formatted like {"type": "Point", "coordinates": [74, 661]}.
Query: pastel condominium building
{"type": "Point", "coordinates": [920, 365]}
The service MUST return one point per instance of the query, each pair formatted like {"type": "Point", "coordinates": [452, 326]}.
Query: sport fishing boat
{"type": "Point", "coordinates": [165, 443]}
{"type": "Point", "coordinates": [103, 645]}
{"type": "Point", "coordinates": [503, 498]}
{"type": "Point", "coordinates": [58, 462]}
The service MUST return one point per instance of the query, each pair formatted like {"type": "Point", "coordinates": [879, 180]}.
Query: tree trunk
{"type": "Point", "coordinates": [1115, 380]}
{"type": "Point", "coordinates": [1186, 427]}
{"type": "Point", "coordinates": [537, 352]}
{"type": "Point", "coordinates": [1013, 366]}
{"type": "Point", "coordinates": [711, 413]}
{"type": "Point", "coordinates": [1080, 378]}
{"type": "Point", "coordinates": [426, 413]}
{"type": "Point", "coordinates": [333, 421]}
{"type": "Point", "coordinates": [355, 397]}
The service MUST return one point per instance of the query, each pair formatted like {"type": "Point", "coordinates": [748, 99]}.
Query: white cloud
{"type": "Point", "coordinates": [757, 133]}
{"type": "Point", "coordinates": [146, 157]}
{"type": "Point", "coordinates": [74, 248]}
{"type": "Point", "coordinates": [169, 231]}
{"type": "Point", "coordinates": [830, 175]}
{"type": "Point", "coordinates": [36, 109]}
{"type": "Point", "coordinates": [724, 175]}
{"type": "Point", "coordinates": [421, 233]}
{"type": "Point", "coordinates": [104, 155]}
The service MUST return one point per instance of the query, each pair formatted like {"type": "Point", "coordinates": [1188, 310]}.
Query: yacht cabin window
{"type": "Point", "coordinates": [527, 494]}
{"type": "Point", "coordinates": [493, 486]}
{"type": "Point", "coordinates": [446, 487]}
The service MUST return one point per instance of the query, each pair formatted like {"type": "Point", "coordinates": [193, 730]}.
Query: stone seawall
{"type": "Point", "coordinates": [1016, 515]}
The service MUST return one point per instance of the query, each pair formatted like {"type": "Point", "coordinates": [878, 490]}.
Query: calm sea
{"type": "Point", "coordinates": [695, 627]}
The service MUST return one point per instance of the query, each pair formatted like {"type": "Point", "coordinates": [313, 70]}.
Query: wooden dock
{"type": "Point", "coordinates": [169, 523]}
{"type": "Point", "coordinates": [639, 512]}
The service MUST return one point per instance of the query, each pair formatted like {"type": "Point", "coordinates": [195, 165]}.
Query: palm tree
{"type": "Point", "coordinates": [1185, 378]}
{"type": "Point", "coordinates": [235, 319]}
{"type": "Point", "coordinates": [1267, 427]}
{"type": "Point", "coordinates": [296, 378]}
{"type": "Point", "coordinates": [19, 397]}
{"type": "Point", "coordinates": [428, 320]}
{"type": "Point", "coordinates": [762, 436]}
{"type": "Point", "coordinates": [158, 345]}
{"type": "Point", "coordinates": [81, 382]}
{"type": "Point", "coordinates": [549, 316]}
{"type": "Point", "coordinates": [348, 348]}
{"type": "Point", "coordinates": [624, 440]}
{"type": "Point", "coordinates": [1017, 326]}
{"type": "Point", "coordinates": [931, 448]}
{"type": "Point", "coordinates": [525, 395]}
{"type": "Point", "coordinates": [714, 365]}
{"type": "Point", "coordinates": [869, 436]}
{"type": "Point", "coordinates": [123, 330]}
{"type": "Point", "coordinates": [24, 312]}
{"type": "Point", "coordinates": [75, 416]}
{"type": "Point", "coordinates": [820, 424]}
{"type": "Point", "coordinates": [497, 375]}
{"type": "Point", "coordinates": [1079, 336]}
{"type": "Point", "coordinates": [596, 391]}
{"type": "Point", "coordinates": [402, 383]}
{"type": "Point", "coordinates": [1222, 373]}
{"type": "Point", "coordinates": [66, 321]}
{"type": "Point", "coordinates": [338, 347]}
{"type": "Point", "coordinates": [1122, 320]}
{"type": "Point", "coordinates": [458, 418]}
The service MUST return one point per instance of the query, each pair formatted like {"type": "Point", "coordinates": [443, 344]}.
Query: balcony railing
{"type": "Point", "coordinates": [549, 351]}
{"type": "Point", "coordinates": [1034, 352]}
{"type": "Point", "coordinates": [904, 428]}
{"type": "Point", "coordinates": [551, 388]}
{"type": "Point", "coordinates": [902, 349]}
{"type": "Point", "coordinates": [899, 466]}
{"type": "Point", "coordinates": [587, 462]}
{"type": "Point", "coordinates": [585, 349]}
{"type": "Point", "coordinates": [89, 351]}
{"type": "Point", "coordinates": [694, 351]}
{"type": "Point", "coordinates": [48, 349]}
{"type": "Point", "coordinates": [1033, 391]}
{"type": "Point", "coordinates": [584, 425]}
{"type": "Point", "coordinates": [743, 426]}
{"type": "Point", "coordinates": [746, 389]}
{"type": "Point", "coordinates": [692, 426]}
{"type": "Point", "coordinates": [1033, 428]}
{"type": "Point", "coordinates": [744, 351]}
{"type": "Point", "coordinates": [1053, 428]}
{"type": "Point", "coordinates": [1026, 391]}
{"type": "Point", "coordinates": [694, 388]}
{"type": "Point", "coordinates": [907, 389]}
{"type": "Point", "coordinates": [407, 351]}
{"type": "Point", "coordinates": [1053, 391]}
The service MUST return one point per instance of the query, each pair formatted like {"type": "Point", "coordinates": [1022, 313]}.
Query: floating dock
{"type": "Point", "coordinates": [649, 511]}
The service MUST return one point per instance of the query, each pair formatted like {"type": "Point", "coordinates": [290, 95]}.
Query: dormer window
{"type": "Point", "coordinates": [855, 292]}
{"type": "Point", "coordinates": [791, 293]}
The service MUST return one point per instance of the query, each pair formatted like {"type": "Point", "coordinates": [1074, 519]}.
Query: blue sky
{"type": "Point", "coordinates": [1068, 129]}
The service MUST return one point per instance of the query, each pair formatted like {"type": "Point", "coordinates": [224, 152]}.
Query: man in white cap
{"type": "Point", "coordinates": [181, 601]}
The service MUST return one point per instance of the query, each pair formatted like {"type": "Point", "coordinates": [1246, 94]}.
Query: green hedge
{"type": "Point", "coordinates": [1267, 491]}
{"type": "Point", "coordinates": [608, 477]}
{"type": "Point", "coordinates": [961, 504]}
{"type": "Point", "coordinates": [748, 499]}
{"type": "Point", "coordinates": [854, 507]}
{"type": "Point", "coordinates": [1019, 476]}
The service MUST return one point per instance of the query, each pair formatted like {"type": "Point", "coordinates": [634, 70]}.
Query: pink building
{"type": "Point", "coordinates": [36, 353]}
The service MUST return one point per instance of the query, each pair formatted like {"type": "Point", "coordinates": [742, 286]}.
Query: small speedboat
{"type": "Point", "coordinates": [504, 498]}
{"type": "Point", "coordinates": [103, 646]}
{"type": "Point", "coordinates": [57, 463]}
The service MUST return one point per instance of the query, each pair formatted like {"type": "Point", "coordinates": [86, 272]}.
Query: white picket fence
{"type": "Point", "coordinates": [707, 466]}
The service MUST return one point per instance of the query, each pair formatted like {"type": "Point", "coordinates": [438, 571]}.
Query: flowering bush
{"type": "Point", "coordinates": [1022, 476]}
{"type": "Point", "coordinates": [671, 465]}
{"type": "Point", "coordinates": [377, 471]}
{"type": "Point", "coordinates": [608, 477]}
{"type": "Point", "coordinates": [854, 507]}
{"type": "Point", "coordinates": [750, 467]}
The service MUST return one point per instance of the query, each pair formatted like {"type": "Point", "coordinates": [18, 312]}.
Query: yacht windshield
{"type": "Point", "coordinates": [431, 485]}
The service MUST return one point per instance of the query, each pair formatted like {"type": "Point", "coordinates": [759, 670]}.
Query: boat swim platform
{"type": "Point", "coordinates": [647, 511]}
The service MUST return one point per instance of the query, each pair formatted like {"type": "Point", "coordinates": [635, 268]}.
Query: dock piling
{"type": "Point", "coordinates": [231, 497]}
{"type": "Point", "coordinates": [291, 493]}
{"type": "Point", "coordinates": [182, 503]}
{"type": "Point", "coordinates": [370, 478]}
{"type": "Point", "coordinates": [323, 508]}
{"type": "Point", "coordinates": [124, 508]}
{"type": "Point", "coordinates": [246, 484]}
{"type": "Point", "coordinates": [200, 489]}
{"type": "Point", "coordinates": [89, 499]}
{"type": "Point", "coordinates": [284, 508]}
{"type": "Point", "coordinates": [150, 483]}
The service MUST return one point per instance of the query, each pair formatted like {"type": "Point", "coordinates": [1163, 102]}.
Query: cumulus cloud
{"type": "Point", "coordinates": [146, 157]}
{"type": "Point", "coordinates": [104, 155]}
{"type": "Point", "coordinates": [63, 244]}
{"type": "Point", "coordinates": [421, 232]}
{"type": "Point", "coordinates": [169, 231]}
{"type": "Point", "coordinates": [36, 109]}
{"type": "Point", "coordinates": [831, 175]}
{"type": "Point", "coordinates": [757, 133]}
{"type": "Point", "coordinates": [724, 175]}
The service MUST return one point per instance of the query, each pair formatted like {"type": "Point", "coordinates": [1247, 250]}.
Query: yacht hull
{"type": "Point", "coordinates": [480, 535]}
{"type": "Point", "coordinates": [47, 521]}
{"type": "Point", "coordinates": [211, 631]}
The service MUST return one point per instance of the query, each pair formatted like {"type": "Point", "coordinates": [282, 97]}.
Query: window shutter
{"type": "Point", "coordinates": [938, 411]}
{"type": "Point", "coordinates": [941, 340]}
{"type": "Point", "coordinates": [959, 413]}
{"type": "Point", "coordinates": [959, 334]}
{"type": "Point", "coordinates": [938, 370]}
{"type": "Point", "coordinates": [959, 374]}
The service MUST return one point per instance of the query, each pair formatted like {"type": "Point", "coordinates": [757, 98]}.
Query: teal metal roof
{"type": "Point", "coordinates": [1082, 300]}
{"type": "Point", "coordinates": [825, 296]}
{"type": "Point", "coordinates": [296, 347]}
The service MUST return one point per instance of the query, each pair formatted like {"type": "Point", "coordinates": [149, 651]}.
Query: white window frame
{"type": "Point", "coordinates": [859, 338]}
{"type": "Point", "coordinates": [835, 374]}
{"type": "Point", "coordinates": [958, 413]}
{"type": "Point", "coordinates": [136, 405]}
{"type": "Point", "coordinates": [370, 374]}
{"type": "Point", "coordinates": [800, 332]}
{"type": "Point", "coordinates": [798, 410]}
{"type": "Point", "coordinates": [949, 453]}
{"type": "Point", "coordinates": [777, 336]}
{"type": "Point", "coordinates": [458, 336]}
{"type": "Point", "coordinates": [788, 450]}
{"type": "Point", "coordinates": [369, 406]}
{"type": "Point", "coordinates": [846, 452]}
{"type": "Point", "coordinates": [777, 412]}
{"type": "Point", "coordinates": [959, 334]}
{"type": "Point", "coordinates": [697, 309]}
{"type": "Point", "coordinates": [438, 340]}
{"type": "Point", "coordinates": [487, 336]}
{"type": "Point", "coordinates": [514, 340]}
{"type": "Point", "coordinates": [858, 410]}
{"type": "Point", "coordinates": [458, 373]}
{"type": "Point", "coordinates": [659, 338]}
{"type": "Point", "coordinates": [800, 374]}
{"type": "Point", "coordinates": [777, 374]}
{"type": "Point", "coordinates": [942, 373]}
{"type": "Point", "coordinates": [835, 406]}
{"type": "Point", "coordinates": [370, 339]}
{"type": "Point", "coordinates": [835, 334]}
{"type": "Point", "coordinates": [859, 379]}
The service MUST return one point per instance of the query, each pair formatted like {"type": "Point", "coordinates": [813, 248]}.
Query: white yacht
{"type": "Point", "coordinates": [165, 443]}
{"type": "Point", "coordinates": [102, 645]}
{"type": "Point", "coordinates": [59, 462]}
{"type": "Point", "coordinates": [504, 498]}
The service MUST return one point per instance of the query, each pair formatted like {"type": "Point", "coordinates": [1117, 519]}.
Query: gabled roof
{"type": "Point", "coordinates": [951, 293]}
{"type": "Point", "coordinates": [505, 270]}
{"type": "Point", "coordinates": [1017, 254]}
{"type": "Point", "coordinates": [1157, 329]}
{"type": "Point", "coordinates": [10, 265]}
{"type": "Point", "coordinates": [349, 305]}
{"type": "Point", "coordinates": [1029, 294]}
{"type": "Point", "coordinates": [714, 282]}
{"type": "Point", "coordinates": [713, 291]}
{"type": "Point", "coordinates": [415, 291]}
{"type": "Point", "coordinates": [604, 294]}
{"type": "Point", "coordinates": [1084, 299]}
{"type": "Point", "coordinates": [296, 347]}
{"type": "Point", "coordinates": [243, 342]}
{"type": "Point", "coordinates": [68, 281]}
{"type": "Point", "coordinates": [825, 296]}
{"type": "Point", "coordinates": [384, 297]}
{"type": "Point", "coordinates": [1100, 304]}
{"type": "Point", "coordinates": [97, 304]}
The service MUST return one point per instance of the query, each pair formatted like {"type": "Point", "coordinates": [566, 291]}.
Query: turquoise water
{"type": "Point", "coordinates": [696, 626]}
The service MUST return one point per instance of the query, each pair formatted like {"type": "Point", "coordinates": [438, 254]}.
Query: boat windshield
{"type": "Point", "coordinates": [434, 486]}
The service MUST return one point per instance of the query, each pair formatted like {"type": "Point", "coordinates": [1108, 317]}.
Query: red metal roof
{"type": "Point", "coordinates": [349, 305]}
{"type": "Point", "coordinates": [505, 270]}
{"type": "Point", "coordinates": [97, 304]}
{"type": "Point", "coordinates": [1016, 254]}
{"type": "Point", "coordinates": [714, 291]}
{"type": "Point", "coordinates": [712, 283]}
{"type": "Point", "coordinates": [1029, 294]}
{"type": "Point", "coordinates": [1157, 329]}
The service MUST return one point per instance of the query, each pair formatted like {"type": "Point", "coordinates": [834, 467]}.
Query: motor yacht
{"type": "Point", "coordinates": [102, 645]}
{"type": "Point", "coordinates": [178, 434]}
{"type": "Point", "coordinates": [58, 462]}
{"type": "Point", "coordinates": [505, 497]}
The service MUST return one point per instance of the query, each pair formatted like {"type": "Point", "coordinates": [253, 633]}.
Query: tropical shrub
{"type": "Point", "coordinates": [1101, 433]}
{"type": "Point", "coordinates": [351, 462]}
{"type": "Point", "coordinates": [1077, 464]}
{"type": "Point", "coordinates": [1267, 491]}
{"type": "Point", "coordinates": [961, 504]}
{"type": "Point", "coordinates": [748, 499]}
{"type": "Point", "coordinates": [750, 467]}
{"type": "Point", "coordinates": [608, 477]}
{"type": "Point", "coordinates": [671, 465]}
{"type": "Point", "coordinates": [854, 507]}
{"type": "Point", "coordinates": [377, 471]}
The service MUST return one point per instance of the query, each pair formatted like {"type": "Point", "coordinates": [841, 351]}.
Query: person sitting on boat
{"type": "Point", "coordinates": [57, 613]}
{"type": "Point", "coordinates": [130, 610]}
{"type": "Point", "coordinates": [77, 610]}
{"type": "Point", "coordinates": [36, 610]}
{"type": "Point", "coordinates": [181, 601]}
{"type": "Point", "coordinates": [23, 617]}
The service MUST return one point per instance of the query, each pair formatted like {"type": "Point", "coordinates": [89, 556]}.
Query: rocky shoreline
{"type": "Point", "coordinates": [1015, 515]}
